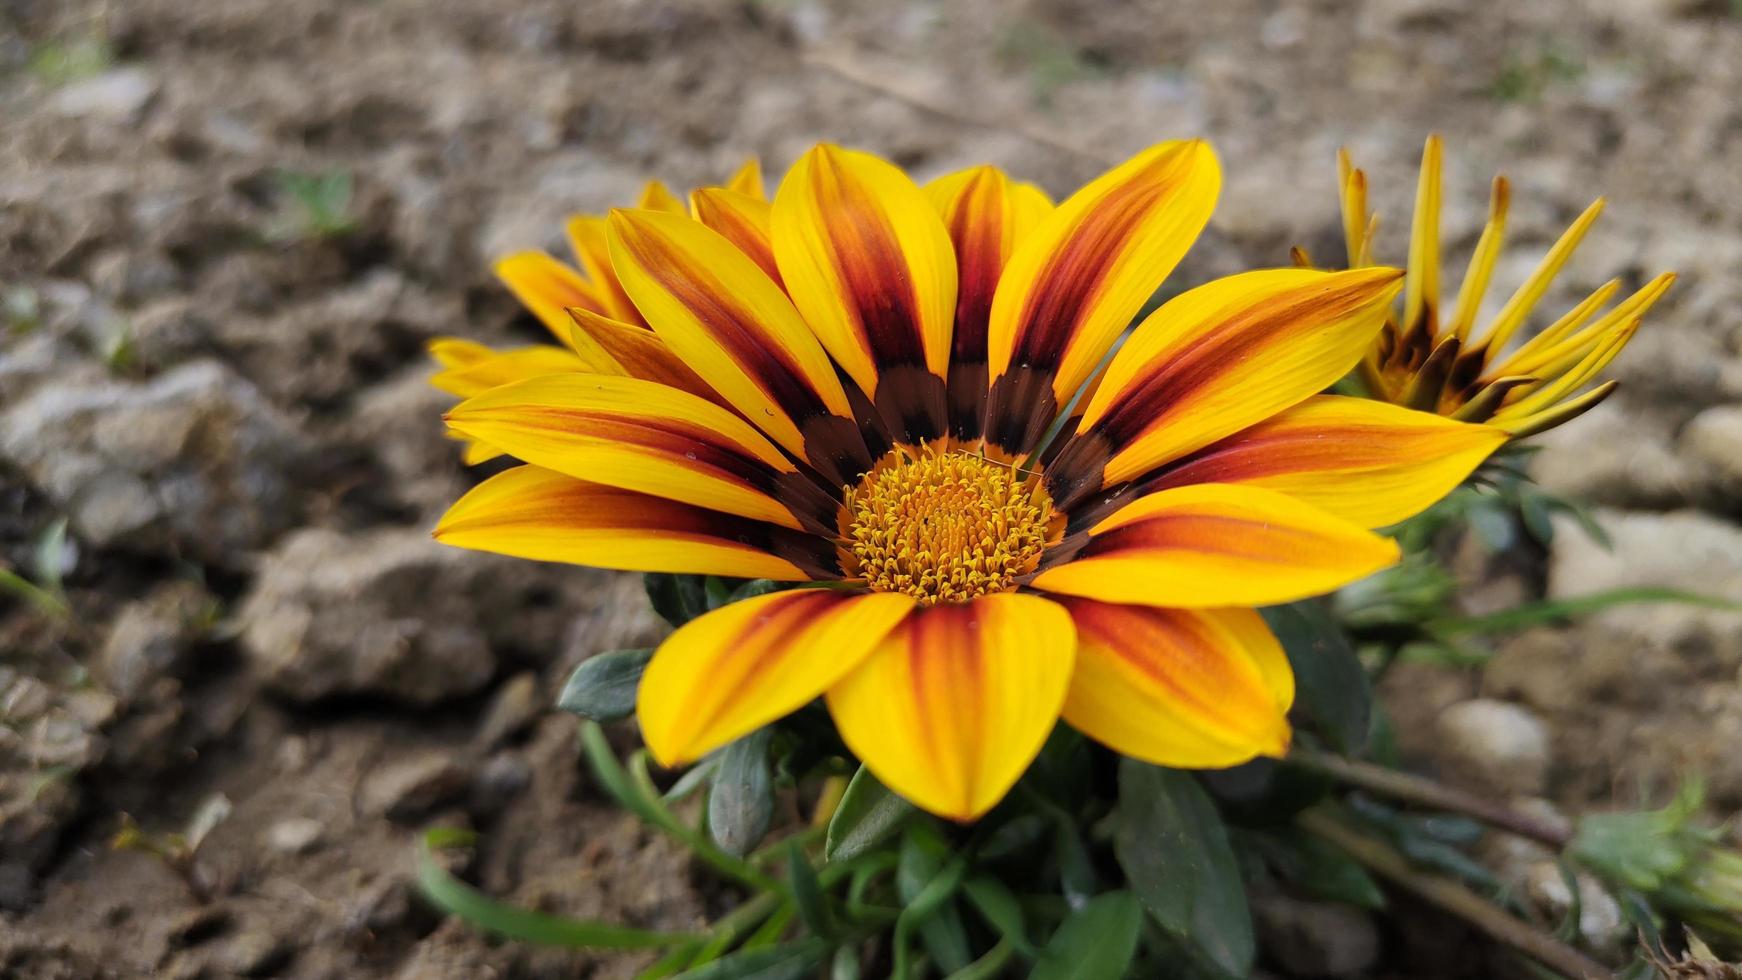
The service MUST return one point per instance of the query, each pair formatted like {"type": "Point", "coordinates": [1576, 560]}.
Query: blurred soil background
{"type": "Point", "coordinates": [227, 230]}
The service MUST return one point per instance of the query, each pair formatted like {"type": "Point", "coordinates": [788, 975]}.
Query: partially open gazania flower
{"type": "Point", "coordinates": [559, 294]}
{"type": "Point", "coordinates": [870, 420]}
{"type": "Point", "coordinates": [1442, 363]}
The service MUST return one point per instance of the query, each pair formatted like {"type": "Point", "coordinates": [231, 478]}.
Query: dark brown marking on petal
{"type": "Point", "coordinates": [835, 448]}
{"type": "Point", "coordinates": [1020, 407]}
{"type": "Point", "coordinates": [967, 395]}
{"type": "Point", "coordinates": [912, 402]}
{"type": "Point", "coordinates": [1076, 472]}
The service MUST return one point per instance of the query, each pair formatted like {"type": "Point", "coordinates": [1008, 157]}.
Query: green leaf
{"type": "Point", "coordinates": [677, 598]}
{"type": "Point", "coordinates": [794, 961]}
{"type": "Point", "coordinates": [868, 815]}
{"type": "Point", "coordinates": [741, 802]}
{"type": "Point", "coordinates": [999, 907]}
{"type": "Point", "coordinates": [1096, 942]}
{"type": "Point", "coordinates": [1314, 866]}
{"type": "Point", "coordinates": [1560, 610]}
{"type": "Point", "coordinates": [455, 897]}
{"type": "Point", "coordinates": [807, 893]}
{"type": "Point", "coordinates": [1174, 849]}
{"type": "Point", "coordinates": [603, 687]}
{"type": "Point", "coordinates": [926, 879]}
{"type": "Point", "coordinates": [845, 965]}
{"type": "Point", "coordinates": [1332, 696]}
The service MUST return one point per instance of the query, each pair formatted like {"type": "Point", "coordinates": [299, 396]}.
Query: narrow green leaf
{"type": "Point", "coordinates": [455, 897]}
{"type": "Point", "coordinates": [1174, 849]}
{"type": "Point", "coordinates": [1332, 696]}
{"type": "Point", "coordinates": [793, 961]}
{"type": "Point", "coordinates": [926, 879]}
{"type": "Point", "coordinates": [1096, 942]}
{"type": "Point", "coordinates": [603, 686]}
{"type": "Point", "coordinates": [807, 894]}
{"type": "Point", "coordinates": [868, 815]}
{"type": "Point", "coordinates": [1560, 610]}
{"type": "Point", "coordinates": [741, 802]}
{"type": "Point", "coordinates": [988, 966]}
{"type": "Point", "coordinates": [998, 906]}
{"type": "Point", "coordinates": [1313, 865]}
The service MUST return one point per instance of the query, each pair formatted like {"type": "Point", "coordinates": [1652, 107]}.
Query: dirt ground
{"type": "Point", "coordinates": [228, 228]}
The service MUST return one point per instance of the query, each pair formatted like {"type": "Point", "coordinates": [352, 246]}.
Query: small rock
{"type": "Point", "coordinates": [409, 788]}
{"type": "Point", "coordinates": [1714, 439]}
{"type": "Point", "coordinates": [1315, 939]}
{"type": "Point", "coordinates": [193, 460]}
{"type": "Point", "coordinates": [1495, 745]}
{"type": "Point", "coordinates": [1600, 920]}
{"type": "Point", "coordinates": [1680, 550]}
{"type": "Point", "coordinates": [151, 637]}
{"type": "Point", "coordinates": [515, 707]}
{"type": "Point", "coordinates": [118, 96]}
{"type": "Point", "coordinates": [253, 954]}
{"type": "Point", "coordinates": [295, 835]}
{"type": "Point", "coordinates": [505, 776]}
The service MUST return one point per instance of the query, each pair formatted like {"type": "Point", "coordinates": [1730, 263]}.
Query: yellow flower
{"type": "Point", "coordinates": [559, 294]}
{"type": "Point", "coordinates": [872, 420]}
{"type": "Point", "coordinates": [1444, 364]}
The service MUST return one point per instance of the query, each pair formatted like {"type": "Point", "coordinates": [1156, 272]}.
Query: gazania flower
{"type": "Point", "coordinates": [1440, 361]}
{"type": "Point", "coordinates": [585, 309]}
{"type": "Point", "coordinates": [868, 415]}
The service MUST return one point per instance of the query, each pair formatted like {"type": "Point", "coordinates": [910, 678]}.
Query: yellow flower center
{"type": "Point", "coordinates": [945, 526]}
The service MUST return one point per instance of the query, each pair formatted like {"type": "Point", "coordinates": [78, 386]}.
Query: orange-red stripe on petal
{"type": "Point", "coordinates": [986, 213]}
{"type": "Point", "coordinates": [1362, 460]}
{"type": "Point", "coordinates": [547, 288]}
{"type": "Point", "coordinates": [529, 512]}
{"type": "Point", "coordinates": [740, 219]}
{"type": "Point", "coordinates": [958, 699]}
{"type": "Point", "coordinates": [586, 234]}
{"type": "Point", "coordinates": [727, 673]}
{"type": "Point", "coordinates": [868, 262]}
{"type": "Point", "coordinates": [734, 327]}
{"type": "Point", "coordinates": [1213, 544]}
{"type": "Point", "coordinates": [1076, 282]}
{"type": "Point", "coordinates": [643, 436]}
{"type": "Point", "coordinates": [613, 347]}
{"type": "Point", "coordinates": [1215, 360]}
{"type": "Point", "coordinates": [1187, 688]}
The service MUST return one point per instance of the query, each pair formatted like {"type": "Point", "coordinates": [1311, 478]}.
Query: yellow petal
{"type": "Point", "coordinates": [986, 213]}
{"type": "Point", "coordinates": [493, 369]}
{"type": "Point", "coordinates": [1076, 282]}
{"type": "Point", "coordinates": [1191, 689]}
{"type": "Point", "coordinates": [547, 288]}
{"type": "Point", "coordinates": [612, 347]}
{"type": "Point", "coordinates": [740, 219]}
{"type": "Point", "coordinates": [637, 435]}
{"type": "Point", "coordinates": [1213, 544]}
{"type": "Point", "coordinates": [956, 702]}
{"type": "Point", "coordinates": [868, 262]}
{"type": "Point", "coordinates": [655, 196]}
{"type": "Point", "coordinates": [747, 179]}
{"type": "Point", "coordinates": [1215, 360]}
{"type": "Point", "coordinates": [1364, 461]}
{"type": "Point", "coordinates": [733, 326]}
{"type": "Point", "coordinates": [528, 512]}
{"type": "Point", "coordinates": [586, 233]}
{"type": "Point", "coordinates": [728, 673]}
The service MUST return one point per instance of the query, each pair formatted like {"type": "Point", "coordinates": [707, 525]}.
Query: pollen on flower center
{"type": "Point", "coordinates": [944, 526]}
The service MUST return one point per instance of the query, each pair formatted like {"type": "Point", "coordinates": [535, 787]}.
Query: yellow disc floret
{"type": "Point", "coordinates": [945, 526]}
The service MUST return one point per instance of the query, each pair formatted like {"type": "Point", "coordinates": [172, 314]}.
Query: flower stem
{"type": "Point", "coordinates": [1449, 896]}
{"type": "Point", "coordinates": [1408, 788]}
